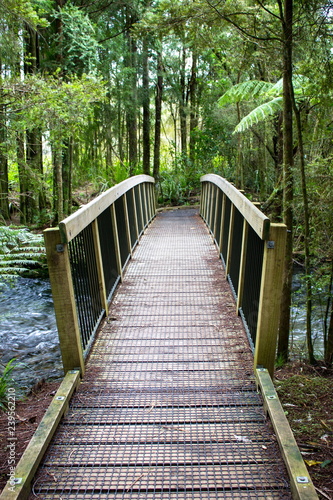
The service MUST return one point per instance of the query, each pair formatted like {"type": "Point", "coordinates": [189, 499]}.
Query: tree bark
{"type": "Point", "coordinates": [193, 90]}
{"type": "Point", "coordinates": [131, 114]}
{"type": "Point", "coordinates": [4, 202]}
{"type": "Point", "coordinates": [158, 116]}
{"type": "Point", "coordinates": [145, 109]}
{"type": "Point", "coordinates": [182, 106]}
{"type": "Point", "coordinates": [288, 190]}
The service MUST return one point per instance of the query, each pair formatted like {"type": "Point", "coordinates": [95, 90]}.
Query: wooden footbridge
{"type": "Point", "coordinates": [175, 352]}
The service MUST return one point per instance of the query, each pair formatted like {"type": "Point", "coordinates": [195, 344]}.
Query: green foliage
{"type": "Point", "coordinates": [245, 91]}
{"type": "Point", "coordinates": [259, 114]}
{"type": "Point", "coordinates": [259, 91]}
{"type": "Point", "coordinates": [6, 382]}
{"type": "Point", "coordinates": [21, 253]}
{"type": "Point", "coordinates": [77, 41]}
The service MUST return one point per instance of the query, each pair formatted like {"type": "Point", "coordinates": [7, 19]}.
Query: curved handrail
{"type": "Point", "coordinates": [76, 222]}
{"type": "Point", "coordinates": [87, 255]}
{"type": "Point", "coordinates": [259, 222]}
{"type": "Point", "coordinates": [252, 250]}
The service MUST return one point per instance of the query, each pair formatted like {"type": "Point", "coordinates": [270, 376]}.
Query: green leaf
{"type": "Point", "coordinates": [246, 91]}
{"type": "Point", "coordinates": [259, 114]}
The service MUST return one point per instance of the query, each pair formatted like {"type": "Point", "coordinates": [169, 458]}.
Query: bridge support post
{"type": "Point", "coordinates": [64, 301]}
{"type": "Point", "coordinates": [270, 298]}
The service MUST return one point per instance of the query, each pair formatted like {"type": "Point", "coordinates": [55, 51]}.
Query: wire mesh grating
{"type": "Point", "coordinates": [168, 408]}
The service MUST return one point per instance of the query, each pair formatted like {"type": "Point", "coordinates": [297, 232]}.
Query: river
{"type": "Point", "coordinates": [28, 331]}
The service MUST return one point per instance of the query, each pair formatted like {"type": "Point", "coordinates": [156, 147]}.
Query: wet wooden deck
{"type": "Point", "coordinates": [168, 408]}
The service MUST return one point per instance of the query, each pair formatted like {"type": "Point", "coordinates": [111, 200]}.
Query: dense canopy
{"type": "Point", "coordinates": [94, 91]}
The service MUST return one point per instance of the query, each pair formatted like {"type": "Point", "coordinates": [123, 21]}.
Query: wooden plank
{"type": "Point", "coordinates": [127, 223]}
{"type": "Point", "coordinates": [270, 298]}
{"type": "Point", "coordinates": [300, 481]}
{"type": "Point", "coordinates": [230, 239]}
{"type": "Point", "coordinates": [242, 266]}
{"type": "Point", "coordinates": [257, 220]}
{"type": "Point", "coordinates": [132, 193]}
{"type": "Point", "coordinates": [64, 301]}
{"type": "Point", "coordinates": [75, 223]}
{"type": "Point", "coordinates": [116, 241]}
{"type": "Point", "coordinates": [99, 266]}
{"type": "Point", "coordinates": [37, 446]}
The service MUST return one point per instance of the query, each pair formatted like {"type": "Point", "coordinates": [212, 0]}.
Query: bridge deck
{"type": "Point", "coordinates": [168, 408]}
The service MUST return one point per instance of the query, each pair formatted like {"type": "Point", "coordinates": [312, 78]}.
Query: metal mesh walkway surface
{"type": "Point", "coordinates": [168, 408]}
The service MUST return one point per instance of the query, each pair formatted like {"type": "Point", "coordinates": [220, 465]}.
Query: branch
{"type": "Point", "coordinates": [239, 28]}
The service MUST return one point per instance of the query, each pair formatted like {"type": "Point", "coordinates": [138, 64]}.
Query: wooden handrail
{"type": "Point", "coordinates": [257, 220]}
{"type": "Point", "coordinates": [86, 263]}
{"type": "Point", "coordinates": [232, 236]}
{"type": "Point", "coordinates": [75, 223]}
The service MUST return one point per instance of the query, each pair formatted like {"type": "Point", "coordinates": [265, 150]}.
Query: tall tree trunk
{"type": "Point", "coordinates": [34, 159]}
{"type": "Point", "coordinates": [67, 166]}
{"type": "Point", "coordinates": [158, 116]}
{"type": "Point", "coordinates": [4, 202]}
{"type": "Point", "coordinates": [58, 198]}
{"type": "Point", "coordinates": [22, 172]}
{"type": "Point", "coordinates": [328, 331]}
{"type": "Point", "coordinates": [288, 188]}
{"type": "Point", "coordinates": [308, 276]}
{"type": "Point", "coordinates": [193, 111]}
{"type": "Point", "coordinates": [182, 106]}
{"type": "Point", "coordinates": [131, 114]}
{"type": "Point", "coordinates": [329, 345]}
{"type": "Point", "coordinates": [146, 109]}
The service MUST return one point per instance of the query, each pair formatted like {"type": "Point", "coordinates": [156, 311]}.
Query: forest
{"type": "Point", "coordinates": [92, 92]}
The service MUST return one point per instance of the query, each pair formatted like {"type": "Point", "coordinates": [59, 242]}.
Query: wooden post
{"type": "Point", "coordinates": [150, 202]}
{"type": "Point", "coordinates": [99, 265]}
{"type": "Point", "coordinates": [203, 201]}
{"type": "Point", "coordinates": [153, 199]}
{"type": "Point", "coordinates": [128, 231]}
{"type": "Point", "coordinates": [214, 219]}
{"type": "Point", "coordinates": [242, 265]}
{"type": "Point", "coordinates": [210, 205]}
{"type": "Point", "coordinates": [230, 236]}
{"type": "Point", "coordinates": [270, 297]}
{"type": "Point", "coordinates": [143, 205]}
{"type": "Point", "coordinates": [224, 200]}
{"type": "Point", "coordinates": [135, 221]}
{"type": "Point", "coordinates": [141, 209]}
{"type": "Point", "coordinates": [64, 301]}
{"type": "Point", "coordinates": [116, 240]}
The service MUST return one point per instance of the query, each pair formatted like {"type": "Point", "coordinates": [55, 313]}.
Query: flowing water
{"type": "Point", "coordinates": [28, 331]}
{"type": "Point", "coordinates": [298, 319]}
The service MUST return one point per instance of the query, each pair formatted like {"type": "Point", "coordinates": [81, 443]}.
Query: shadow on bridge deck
{"type": "Point", "coordinates": [168, 407]}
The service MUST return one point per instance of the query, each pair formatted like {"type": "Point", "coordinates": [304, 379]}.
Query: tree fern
{"type": "Point", "coordinates": [21, 252]}
{"type": "Point", "coordinates": [261, 113]}
{"type": "Point", "coordinates": [269, 94]}
{"type": "Point", "coordinates": [246, 91]}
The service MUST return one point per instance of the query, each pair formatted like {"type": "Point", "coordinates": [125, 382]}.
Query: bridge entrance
{"type": "Point", "coordinates": [168, 407]}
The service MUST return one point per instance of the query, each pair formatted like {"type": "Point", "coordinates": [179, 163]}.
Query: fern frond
{"type": "Point", "coordinates": [261, 113]}
{"type": "Point", "coordinates": [246, 91]}
{"type": "Point", "coordinates": [12, 271]}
